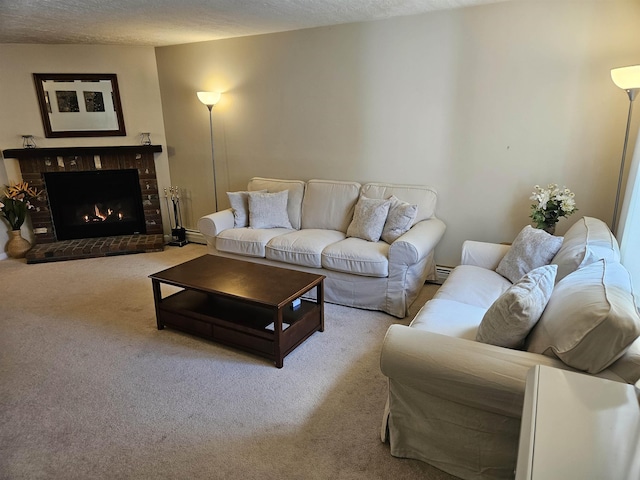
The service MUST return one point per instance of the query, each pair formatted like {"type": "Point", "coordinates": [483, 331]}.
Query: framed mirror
{"type": "Point", "coordinates": [79, 104]}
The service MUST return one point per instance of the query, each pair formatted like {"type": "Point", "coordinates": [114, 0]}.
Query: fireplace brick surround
{"type": "Point", "coordinates": [37, 161]}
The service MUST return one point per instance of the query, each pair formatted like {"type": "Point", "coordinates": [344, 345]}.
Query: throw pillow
{"type": "Point", "coordinates": [511, 317]}
{"type": "Point", "coordinates": [399, 220]}
{"type": "Point", "coordinates": [240, 204]}
{"type": "Point", "coordinates": [269, 210]}
{"type": "Point", "coordinates": [368, 218]}
{"type": "Point", "coordinates": [591, 318]}
{"type": "Point", "coordinates": [532, 248]}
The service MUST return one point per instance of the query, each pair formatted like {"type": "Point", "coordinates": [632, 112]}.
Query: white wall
{"type": "Point", "coordinates": [19, 114]}
{"type": "Point", "coordinates": [482, 103]}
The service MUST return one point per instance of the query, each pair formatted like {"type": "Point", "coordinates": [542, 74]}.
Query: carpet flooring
{"type": "Point", "coordinates": [90, 389]}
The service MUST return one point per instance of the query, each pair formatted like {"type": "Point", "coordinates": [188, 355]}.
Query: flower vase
{"type": "Point", "coordinates": [550, 229]}
{"type": "Point", "coordinates": [17, 246]}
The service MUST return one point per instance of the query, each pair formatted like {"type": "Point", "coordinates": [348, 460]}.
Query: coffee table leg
{"type": "Point", "coordinates": [277, 345]}
{"type": "Point", "coordinates": [157, 298]}
{"type": "Point", "coordinates": [320, 300]}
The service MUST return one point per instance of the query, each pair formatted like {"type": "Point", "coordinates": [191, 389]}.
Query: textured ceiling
{"type": "Point", "coordinates": [172, 22]}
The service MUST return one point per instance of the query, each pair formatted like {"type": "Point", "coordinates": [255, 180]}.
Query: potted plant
{"type": "Point", "coordinates": [14, 206]}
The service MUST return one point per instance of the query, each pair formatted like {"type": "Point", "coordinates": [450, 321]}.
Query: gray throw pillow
{"type": "Point", "coordinates": [532, 248]}
{"type": "Point", "coordinates": [511, 317]}
{"type": "Point", "coordinates": [399, 220]}
{"type": "Point", "coordinates": [240, 204]}
{"type": "Point", "coordinates": [269, 210]}
{"type": "Point", "coordinates": [368, 218]}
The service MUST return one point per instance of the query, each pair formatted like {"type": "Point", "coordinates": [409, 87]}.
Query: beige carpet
{"type": "Point", "coordinates": [90, 389]}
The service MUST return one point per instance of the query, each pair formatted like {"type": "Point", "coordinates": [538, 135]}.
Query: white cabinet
{"type": "Point", "coordinates": [576, 426]}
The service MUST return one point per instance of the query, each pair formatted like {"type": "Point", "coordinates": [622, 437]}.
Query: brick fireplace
{"type": "Point", "coordinates": [36, 162]}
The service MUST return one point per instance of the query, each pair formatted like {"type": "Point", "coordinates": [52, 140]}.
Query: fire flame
{"type": "Point", "coordinates": [99, 216]}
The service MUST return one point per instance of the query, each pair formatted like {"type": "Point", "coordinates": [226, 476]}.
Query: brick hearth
{"type": "Point", "coordinates": [95, 247]}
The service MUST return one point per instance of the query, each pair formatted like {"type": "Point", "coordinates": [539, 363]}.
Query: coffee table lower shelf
{"type": "Point", "coordinates": [248, 327]}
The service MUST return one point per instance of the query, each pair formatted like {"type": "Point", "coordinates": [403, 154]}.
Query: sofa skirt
{"type": "Point", "coordinates": [439, 432]}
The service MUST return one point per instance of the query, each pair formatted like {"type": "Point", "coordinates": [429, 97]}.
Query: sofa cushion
{"type": "Point", "coordinates": [422, 196]}
{"type": "Point", "coordinates": [532, 248]}
{"type": "Point", "coordinates": [473, 285]}
{"type": "Point", "coordinates": [269, 210]}
{"type": "Point", "coordinates": [511, 317]}
{"type": "Point", "coordinates": [399, 220]}
{"type": "Point", "coordinates": [240, 205]}
{"type": "Point", "coordinates": [591, 318]}
{"type": "Point", "coordinates": [329, 205]}
{"type": "Point", "coordinates": [588, 240]}
{"type": "Point", "coordinates": [368, 218]}
{"type": "Point", "coordinates": [295, 188]}
{"type": "Point", "coordinates": [302, 247]}
{"type": "Point", "coordinates": [450, 318]}
{"type": "Point", "coordinates": [247, 241]}
{"type": "Point", "coordinates": [354, 255]}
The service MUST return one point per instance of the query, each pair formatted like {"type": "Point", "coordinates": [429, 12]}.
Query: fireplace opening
{"type": "Point", "coordinates": [99, 203]}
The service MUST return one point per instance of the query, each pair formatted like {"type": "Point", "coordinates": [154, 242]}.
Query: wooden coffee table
{"type": "Point", "coordinates": [245, 305]}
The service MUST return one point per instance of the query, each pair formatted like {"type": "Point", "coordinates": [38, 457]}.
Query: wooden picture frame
{"type": "Point", "coordinates": [79, 104]}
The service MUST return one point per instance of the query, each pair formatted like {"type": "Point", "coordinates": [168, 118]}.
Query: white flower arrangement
{"type": "Point", "coordinates": [550, 204]}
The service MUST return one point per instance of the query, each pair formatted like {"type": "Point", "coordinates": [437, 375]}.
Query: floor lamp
{"type": "Point", "coordinates": [210, 99]}
{"type": "Point", "coordinates": [628, 79]}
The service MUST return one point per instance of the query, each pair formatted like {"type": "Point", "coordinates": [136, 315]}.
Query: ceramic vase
{"type": "Point", "coordinates": [551, 229]}
{"type": "Point", "coordinates": [17, 247]}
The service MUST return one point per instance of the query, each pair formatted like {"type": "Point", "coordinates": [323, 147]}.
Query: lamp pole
{"type": "Point", "coordinates": [210, 99]}
{"type": "Point", "coordinates": [628, 79]}
{"type": "Point", "coordinates": [213, 158]}
{"type": "Point", "coordinates": [632, 95]}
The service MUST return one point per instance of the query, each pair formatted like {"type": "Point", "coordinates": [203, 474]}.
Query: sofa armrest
{"type": "Point", "coordinates": [471, 373]}
{"type": "Point", "coordinates": [417, 243]}
{"type": "Point", "coordinates": [483, 254]}
{"type": "Point", "coordinates": [211, 225]}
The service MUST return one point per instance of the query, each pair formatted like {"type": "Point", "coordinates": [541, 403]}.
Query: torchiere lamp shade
{"type": "Point", "coordinates": [626, 78]}
{"type": "Point", "coordinates": [209, 98]}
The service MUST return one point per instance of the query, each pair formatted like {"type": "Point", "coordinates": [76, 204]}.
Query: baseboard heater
{"type": "Point", "coordinates": [194, 236]}
{"type": "Point", "coordinates": [442, 273]}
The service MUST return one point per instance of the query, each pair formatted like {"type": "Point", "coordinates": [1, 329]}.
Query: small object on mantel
{"type": "Point", "coordinates": [28, 141]}
{"type": "Point", "coordinates": [145, 138]}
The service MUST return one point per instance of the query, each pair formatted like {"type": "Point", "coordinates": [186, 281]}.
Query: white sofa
{"type": "Point", "coordinates": [456, 402]}
{"type": "Point", "coordinates": [372, 275]}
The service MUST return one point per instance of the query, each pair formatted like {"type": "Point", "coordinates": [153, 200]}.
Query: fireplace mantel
{"type": "Point", "coordinates": [36, 162]}
{"type": "Point", "coordinates": [28, 153]}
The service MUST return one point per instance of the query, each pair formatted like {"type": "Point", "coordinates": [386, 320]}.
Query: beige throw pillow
{"type": "Point", "coordinates": [240, 204]}
{"type": "Point", "coordinates": [591, 318]}
{"type": "Point", "coordinates": [399, 220]}
{"type": "Point", "coordinates": [269, 210]}
{"type": "Point", "coordinates": [532, 248]}
{"type": "Point", "coordinates": [368, 218]}
{"type": "Point", "coordinates": [511, 317]}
